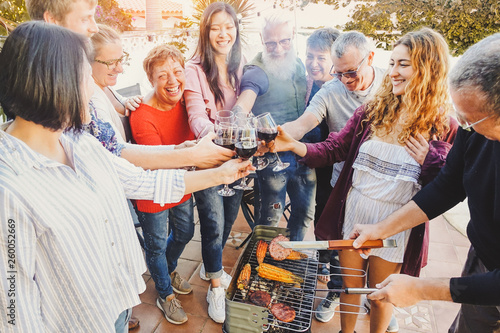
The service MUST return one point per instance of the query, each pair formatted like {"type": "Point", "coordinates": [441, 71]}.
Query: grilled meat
{"type": "Point", "coordinates": [260, 298]}
{"type": "Point", "coordinates": [277, 251]}
{"type": "Point", "coordinates": [283, 312]}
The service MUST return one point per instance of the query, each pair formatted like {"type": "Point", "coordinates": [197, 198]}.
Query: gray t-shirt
{"type": "Point", "coordinates": [334, 103]}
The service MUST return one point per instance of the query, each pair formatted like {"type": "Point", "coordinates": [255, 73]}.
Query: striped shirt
{"type": "Point", "coordinates": [69, 254]}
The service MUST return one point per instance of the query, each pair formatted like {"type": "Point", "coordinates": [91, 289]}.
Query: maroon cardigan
{"type": "Point", "coordinates": [344, 146]}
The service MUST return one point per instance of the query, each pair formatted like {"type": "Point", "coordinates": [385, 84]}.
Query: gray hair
{"type": "Point", "coordinates": [322, 39]}
{"type": "Point", "coordinates": [275, 19]}
{"type": "Point", "coordinates": [350, 39]}
{"type": "Point", "coordinates": [479, 69]}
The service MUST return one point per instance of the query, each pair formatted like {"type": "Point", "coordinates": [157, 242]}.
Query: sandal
{"type": "Point", "coordinates": [324, 273]}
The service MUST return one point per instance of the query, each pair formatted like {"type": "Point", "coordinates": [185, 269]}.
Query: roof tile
{"type": "Point", "coordinates": [139, 6]}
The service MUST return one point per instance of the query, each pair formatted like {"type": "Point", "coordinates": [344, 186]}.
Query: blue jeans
{"type": "Point", "coordinates": [217, 215]}
{"type": "Point", "coordinates": [162, 253]}
{"type": "Point", "coordinates": [121, 324]}
{"type": "Point", "coordinates": [299, 181]}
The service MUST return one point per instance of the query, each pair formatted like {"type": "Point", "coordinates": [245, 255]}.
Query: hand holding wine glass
{"type": "Point", "coordinates": [226, 137]}
{"type": "Point", "coordinates": [267, 131]}
{"type": "Point", "coordinates": [285, 142]}
{"type": "Point", "coordinates": [261, 161]}
{"type": "Point", "coordinates": [246, 146]}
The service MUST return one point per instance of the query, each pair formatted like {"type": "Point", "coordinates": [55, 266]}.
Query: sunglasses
{"type": "Point", "coordinates": [349, 74]}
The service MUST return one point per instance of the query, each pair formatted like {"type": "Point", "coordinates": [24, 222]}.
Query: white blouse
{"type": "Point", "coordinates": [67, 240]}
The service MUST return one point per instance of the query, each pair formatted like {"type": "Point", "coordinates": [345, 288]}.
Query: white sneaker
{"type": "Point", "coordinates": [225, 279]}
{"type": "Point", "coordinates": [326, 309]}
{"type": "Point", "coordinates": [216, 298]}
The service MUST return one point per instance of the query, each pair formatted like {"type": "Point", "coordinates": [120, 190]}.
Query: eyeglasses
{"type": "Point", "coordinates": [283, 43]}
{"type": "Point", "coordinates": [349, 74]}
{"type": "Point", "coordinates": [466, 125]}
{"type": "Point", "coordinates": [111, 64]}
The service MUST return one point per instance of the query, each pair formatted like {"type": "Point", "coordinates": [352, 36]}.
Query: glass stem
{"type": "Point", "coordinates": [278, 159]}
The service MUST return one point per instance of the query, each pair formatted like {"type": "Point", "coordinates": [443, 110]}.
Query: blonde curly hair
{"type": "Point", "coordinates": [425, 103]}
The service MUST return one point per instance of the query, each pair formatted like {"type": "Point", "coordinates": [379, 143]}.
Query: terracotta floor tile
{"type": "Point", "coordinates": [444, 313]}
{"type": "Point", "coordinates": [438, 231]}
{"type": "Point", "coordinates": [458, 239]}
{"type": "Point", "coordinates": [150, 317]}
{"type": "Point", "coordinates": [229, 257]}
{"type": "Point", "coordinates": [462, 252]}
{"type": "Point", "coordinates": [194, 324]}
{"type": "Point", "coordinates": [212, 327]}
{"type": "Point", "coordinates": [195, 303]}
{"type": "Point", "coordinates": [442, 269]}
{"type": "Point", "coordinates": [192, 251]}
{"type": "Point", "coordinates": [442, 252]}
{"type": "Point", "coordinates": [149, 295]}
{"type": "Point", "coordinates": [241, 224]}
{"type": "Point", "coordinates": [146, 277]}
{"type": "Point", "coordinates": [236, 238]}
{"type": "Point", "coordinates": [186, 268]}
{"type": "Point", "coordinates": [333, 326]}
{"type": "Point", "coordinates": [197, 233]}
{"type": "Point", "coordinates": [196, 280]}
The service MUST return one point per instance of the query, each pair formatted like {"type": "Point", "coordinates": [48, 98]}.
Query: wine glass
{"type": "Point", "coordinates": [261, 162]}
{"type": "Point", "coordinates": [226, 137]}
{"type": "Point", "coordinates": [245, 146]}
{"type": "Point", "coordinates": [267, 131]}
{"type": "Point", "coordinates": [224, 116]}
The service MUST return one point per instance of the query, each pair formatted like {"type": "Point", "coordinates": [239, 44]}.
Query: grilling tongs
{"type": "Point", "coordinates": [345, 244]}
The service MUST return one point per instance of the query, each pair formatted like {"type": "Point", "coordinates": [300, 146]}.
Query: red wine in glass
{"type": "Point", "coordinates": [267, 131]}
{"type": "Point", "coordinates": [244, 150]}
{"type": "Point", "coordinates": [267, 134]}
{"type": "Point", "coordinates": [226, 137]}
{"type": "Point", "coordinates": [226, 143]}
{"type": "Point", "coordinates": [246, 146]}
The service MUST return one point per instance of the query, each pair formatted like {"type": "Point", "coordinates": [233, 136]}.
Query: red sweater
{"type": "Point", "coordinates": [152, 127]}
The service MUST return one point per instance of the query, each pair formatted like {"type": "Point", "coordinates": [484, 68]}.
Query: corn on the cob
{"type": "Point", "coordinates": [261, 251]}
{"type": "Point", "coordinates": [296, 255]}
{"type": "Point", "coordinates": [244, 277]}
{"type": "Point", "coordinates": [274, 273]}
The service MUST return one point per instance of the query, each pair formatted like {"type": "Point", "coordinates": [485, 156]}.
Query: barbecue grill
{"type": "Point", "coordinates": [243, 316]}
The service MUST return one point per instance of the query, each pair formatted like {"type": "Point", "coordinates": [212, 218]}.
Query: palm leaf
{"type": "Point", "coordinates": [245, 10]}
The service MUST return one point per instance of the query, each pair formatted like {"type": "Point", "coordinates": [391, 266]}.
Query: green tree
{"type": "Point", "coordinates": [11, 13]}
{"type": "Point", "coordinates": [180, 37]}
{"type": "Point", "coordinates": [461, 22]}
{"type": "Point", "coordinates": [108, 12]}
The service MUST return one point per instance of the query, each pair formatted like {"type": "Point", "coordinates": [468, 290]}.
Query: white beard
{"type": "Point", "coordinates": [283, 69]}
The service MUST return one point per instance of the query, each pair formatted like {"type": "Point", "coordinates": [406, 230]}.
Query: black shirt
{"type": "Point", "coordinates": [472, 169]}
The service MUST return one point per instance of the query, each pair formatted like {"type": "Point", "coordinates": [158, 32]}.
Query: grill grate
{"type": "Point", "coordinates": [301, 299]}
